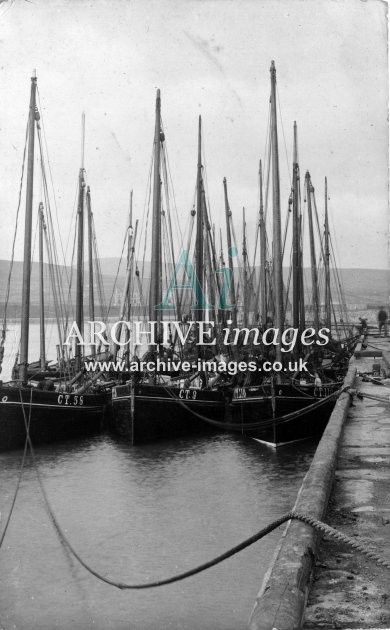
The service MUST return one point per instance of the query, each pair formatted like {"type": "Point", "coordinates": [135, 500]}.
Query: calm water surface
{"type": "Point", "coordinates": [138, 514]}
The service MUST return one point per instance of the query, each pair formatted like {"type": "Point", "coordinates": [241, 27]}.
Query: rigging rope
{"type": "Point", "coordinates": [13, 248]}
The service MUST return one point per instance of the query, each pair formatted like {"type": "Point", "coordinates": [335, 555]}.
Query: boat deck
{"type": "Point", "coordinates": [349, 589]}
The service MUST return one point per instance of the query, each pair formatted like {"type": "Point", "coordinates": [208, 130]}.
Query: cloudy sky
{"type": "Point", "coordinates": [208, 57]}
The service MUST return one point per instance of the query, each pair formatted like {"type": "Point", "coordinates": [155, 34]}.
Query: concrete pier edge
{"type": "Point", "coordinates": [281, 601]}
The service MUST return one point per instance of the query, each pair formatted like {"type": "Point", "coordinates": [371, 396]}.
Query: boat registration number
{"type": "Point", "coordinates": [70, 399]}
{"type": "Point", "coordinates": [188, 394]}
{"type": "Point", "coordinates": [323, 392]}
{"type": "Point", "coordinates": [239, 392]}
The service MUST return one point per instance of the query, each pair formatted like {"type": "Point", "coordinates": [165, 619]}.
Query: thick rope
{"type": "Point", "coordinates": [326, 529]}
{"type": "Point", "coordinates": [19, 476]}
{"type": "Point", "coordinates": [249, 426]}
{"type": "Point", "coordinates": [362, 395]}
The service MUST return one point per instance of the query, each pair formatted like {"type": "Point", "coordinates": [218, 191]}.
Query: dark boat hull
{"type": "Point", "coordinates": [53, 415]}
{"type": "Point", "coordinates": [254, 405]}
{"type": "Point", "coordinates": [157, 412]}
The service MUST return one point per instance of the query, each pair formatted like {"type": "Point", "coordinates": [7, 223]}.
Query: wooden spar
{"type": "Point", "coordinates": [125, 303]}
{"type": "Point", "coordinates": [129, 229]}
{"type": "Point", "coordinates": [42, 352]}
{"type": "Point", "coordinates": [155, 279]}
{"type": "Point", "coordinates": [245, 264]}
{"type": "Point", "coordinates": [221, 259]}
{"type": "Point", "coordinates": [27, 235]}
{"type": "Point", "coordinates": [302, 317]}
{"type": "Point", "coordinates": [210, 233]}
{"type": "Point", "coordinates": [209, 254]}
{"type": "Point", "coordinates": [232, 290]}
{"type": "Point", "coordinates": [130, 250]}
{"type": "Point", "coordinates": [313, 262]}
{"type": "Point", "coordinates": [328, 318]}
{"type": "Point", "coordinates": [199, 226]}
{"type": "Point", "coordinates": [25, 316]}
{"type": "Point", "coordinates": [277, 237]}
{"type": "Point", "coordinates": [80, 256]}
{"type": "Point", "coordinates": [90, 264]}
{"type": "Point", "coordinates": [296, 243]}
{"type": "Point", "coordinates": [263, 254]}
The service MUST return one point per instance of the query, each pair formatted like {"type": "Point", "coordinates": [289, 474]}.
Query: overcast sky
{"type": "Point", "coordinates": [210, 58]}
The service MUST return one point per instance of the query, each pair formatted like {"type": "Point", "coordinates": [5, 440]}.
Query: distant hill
{"type": "Point", "coordinates": [361, 286]}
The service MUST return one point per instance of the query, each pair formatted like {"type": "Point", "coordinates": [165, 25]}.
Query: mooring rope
{"type": "Point", "coordinates": [251, 426]}
{"type": "Point", "coordinates": [307, 519]}
{"type": "Point", "coordinates": [365, 344]}
{"type": "Point", "coordinates": [362, 395]}
{"type": "Point", "coordinates": [20, 473]}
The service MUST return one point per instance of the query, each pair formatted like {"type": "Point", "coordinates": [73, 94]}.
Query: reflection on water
{"type": "Point", "coordinates": [137, 514]}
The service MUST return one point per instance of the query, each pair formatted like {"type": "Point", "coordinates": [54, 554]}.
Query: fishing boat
{"type": "Point", "coordinates": [51, 409]}
{"type": "Point", "coordinates": [161, 405]}
{"type": "Point", "coordinates": [278, 407]}
{"type": "Point", "coordinates": [283, 407]}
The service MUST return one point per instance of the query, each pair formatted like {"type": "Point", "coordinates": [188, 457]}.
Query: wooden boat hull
{"type": "Point", "coordinates": [254, 405]}
{"type": "Point", "coordinates": [53, 415]}
{"type": "Point", "coordinates": [158, 412]}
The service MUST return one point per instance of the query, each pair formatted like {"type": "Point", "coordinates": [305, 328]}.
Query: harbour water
{"type": "Point", "coordinates": [137, 514]}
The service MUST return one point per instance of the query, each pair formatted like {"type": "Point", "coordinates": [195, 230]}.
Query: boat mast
{"type": "Point", "coordinates": [314, 277]}
{"type": "Point", "coordinates": [277, 236]}
{"type": "Point", "coordinates": [130, 230]}
{"type": "Point", "coordinates": [199, 225]}
{"type": "Point", "coordinates": [128, 266]}
{"type": "Point", "coordinates": [328, 321]}
{"type": "Point", "coordinates": [90, 264]}
{"type": "Point", "coordinates": [232, 291]}
{"type": "Point", "coordinates": [80, 253]}
{"type": "Point", "coordinates": [155, 280]}
{"type": "Point", "coordinates": [24, 328]}
{"type": "Point", "coordinates": [302, 316]}
{"type": "Point", "coordinates": [263, 260]}
{"type": "Point", "coordinates": [296, 240]}
{"type": "Point", "coordinates": [208, 252]}
{"type": "Point", "coordinates": [42, 353]}
{"type": "Point", "coordinates": [245, 264]}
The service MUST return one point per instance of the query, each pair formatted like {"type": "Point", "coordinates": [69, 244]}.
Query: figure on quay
{"type": "Point", "coordinates": [382, 321]}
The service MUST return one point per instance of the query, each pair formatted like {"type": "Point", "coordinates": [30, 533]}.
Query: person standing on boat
{"type": "Point", "coordinates": [382, 321]}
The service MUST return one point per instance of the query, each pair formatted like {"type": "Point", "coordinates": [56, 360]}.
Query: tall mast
{"type": "Point", "coordinates": [302, 316]}
{"type": "Point", "coordinates": [314, 277]}
{"type": "Point", "coordinates": [90, 263]}
{"type": "Point", "coordinates": [328, 320]}
{"type": "Point", "coordinates": [209, 252]}
{"type": "Point", "coordinates": [199, 222]}
{"type": "Point", "coordinates": [277, 233]}
{"type": "Point", "coordinates": [263, 261]}
{"type": "Point", "coordinates": [130, 229]}
{"type": "Point", "coordinates": [232, 291]}
{"type": "Point", "coordinates": [24, 328]}
{"type": "Point", "coordinates": [245, 263]}
{"type": "Point", "coordinates": [80, 254]}
{"type": "Point", "coordinates": [125, 303]}
{"type": "Point", "coordinates": [130, 251]}
{"type": "Point", "coordinates": [296, 240]}
{"type": "Point", "coordinates": [42, 353]}
{"type": "Point", "coordinates": [155, 280]}
{"type": "Point", "coordinates": [221, 259]}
